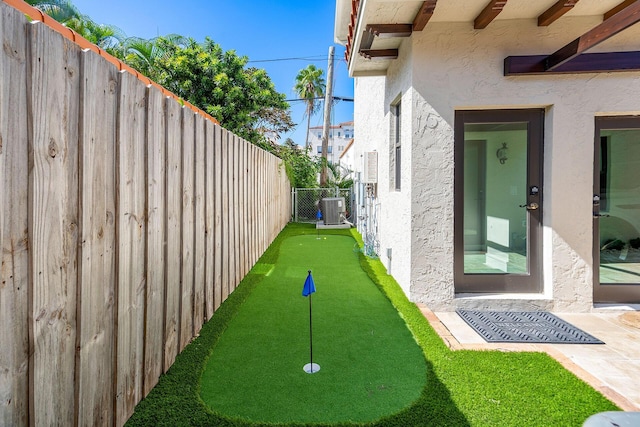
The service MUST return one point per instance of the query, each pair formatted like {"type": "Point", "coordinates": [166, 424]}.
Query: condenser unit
{"type": "Point", "coordinates": [333, 210]}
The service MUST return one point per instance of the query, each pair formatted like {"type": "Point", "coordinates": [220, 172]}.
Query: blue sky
{"type": "Point", "coordinates": [259, 29]}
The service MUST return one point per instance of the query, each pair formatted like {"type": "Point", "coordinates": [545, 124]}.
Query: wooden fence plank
{"type": "Point", "coordinates": [200, 234]}
{"type": "Point", "coordinates": [53, 98]}
{"type": "Point", "coordinates": [14, 247]}
{"type": "Point", "coordinates": [155, 255]}
{"type": "Point", "coordinates": [209, 218]}
{"type": "Point", "coordinates": [96, 298]}
{"type": "Point", "coordinates": [173, 247]}
{"type": "Point", "coordinates": [242, 161]}
{"type": "Point", "coordinates": [236, 213]}
{"type": "Point", "coordinates": [188, 177]}
{"type": "Point", "coordinates": [131, 237]}
{"type": "Point", "coordinates": [226, 265]}
{"type": "Point", "coordinates": [251, 189]}
{"type": "Point", "coordinates": [217, 225]}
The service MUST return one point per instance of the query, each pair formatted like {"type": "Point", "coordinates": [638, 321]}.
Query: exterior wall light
{"type": "Point", "coordinates": [501, 154]}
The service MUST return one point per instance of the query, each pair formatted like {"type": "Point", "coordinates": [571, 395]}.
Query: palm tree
{"type": "Point", "coordinates": [338, 176]}
{"type": "Point", "coordinates": [309, 87]}
{"type": "Point", "coordinates": [107, 37]}
{"type": "Point", "coordinates": [60, 10]}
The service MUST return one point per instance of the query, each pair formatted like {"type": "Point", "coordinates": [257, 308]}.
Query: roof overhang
{"type": "Point", "coordinates": [373, 30]}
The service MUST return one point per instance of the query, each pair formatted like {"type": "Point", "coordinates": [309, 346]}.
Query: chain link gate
{"type": "Point", "coordinates": [305, 202]}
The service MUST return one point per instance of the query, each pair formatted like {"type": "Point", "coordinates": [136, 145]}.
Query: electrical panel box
{"type": "Point", "coordinates": [333, 210]}
{"type": "Point", "coordinates": [370, 172]}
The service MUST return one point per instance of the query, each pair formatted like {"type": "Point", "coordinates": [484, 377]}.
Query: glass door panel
{"type": "Point", "coordinates": [619, 237]}
{"type": "Point", "coordinates": [498, 200]}
{"type": "Point", "coordinates": [495, 186]}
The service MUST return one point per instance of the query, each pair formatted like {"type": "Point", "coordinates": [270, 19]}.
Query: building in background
{"type": "Point", "coordinates": [339, 137]}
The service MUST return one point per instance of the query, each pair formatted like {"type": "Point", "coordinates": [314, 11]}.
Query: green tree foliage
{"type": "Point", "coordinates": [107, 37]}
{"type": "Point", "coordinates": [310, 86]}
{"type": "Point", "coordinates": [301, 168]}
{"type": "Point", "coordinates": [60, 10]}
{"type": "Point", "coordinates": [338, 176]}
{"type": "Point", "coordinates": [244, 100]}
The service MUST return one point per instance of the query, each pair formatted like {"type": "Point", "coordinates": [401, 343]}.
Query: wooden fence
{"type": "Point", "coordinates": [125, 221]}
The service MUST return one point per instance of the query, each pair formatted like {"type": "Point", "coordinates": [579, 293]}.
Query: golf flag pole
{"type": "Point", "coordinates": [307, 290]}
{"type": "Point", "coordinates": [318, 218]}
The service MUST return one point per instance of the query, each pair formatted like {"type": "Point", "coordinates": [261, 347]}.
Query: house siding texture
{"type": "Point", "coordinates": [449, 67]}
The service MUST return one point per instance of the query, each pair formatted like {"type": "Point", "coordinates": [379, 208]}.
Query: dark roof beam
{"type": "Point", "coordinates": [609, 28]}
{"type": "Point", "coordinates": [424, 15]}
{"type": "Point", "coordinates": [618, 8]}
{"type": "Point", "coordinates": [379, 53]}
{"type": "Point", "coordinates": [586, 63]}
{"type": "Point", "coordinates": [489, 13]}
{"type": "Point", "coordinates": [390, 30]}
{"type": "Point", "coordinates": [550, 15]}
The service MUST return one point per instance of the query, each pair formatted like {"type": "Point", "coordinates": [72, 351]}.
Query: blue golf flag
{"type": "Point", "coordinates": [309, 286]}
{"type": "Point", "coordinates": [319, 215]}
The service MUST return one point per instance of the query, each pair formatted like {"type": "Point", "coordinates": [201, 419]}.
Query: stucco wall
{"type": "Point", "coordinates": [451, 66]}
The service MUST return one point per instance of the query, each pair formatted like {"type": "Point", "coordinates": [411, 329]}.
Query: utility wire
{"type": "Point", "coordinates": [335, 98]}
{"type": "Point", "coordinates": [304, 58]}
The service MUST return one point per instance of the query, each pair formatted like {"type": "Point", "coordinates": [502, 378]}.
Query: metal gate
{"type": "Point", "coordinates": [305, 202]}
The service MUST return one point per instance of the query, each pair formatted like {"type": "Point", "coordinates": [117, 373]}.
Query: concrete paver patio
{"type": "Point", "coordinates": [612, 368]}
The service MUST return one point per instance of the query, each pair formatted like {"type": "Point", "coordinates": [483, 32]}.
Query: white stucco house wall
{"type": "Point", "coordinates": [440, 88]}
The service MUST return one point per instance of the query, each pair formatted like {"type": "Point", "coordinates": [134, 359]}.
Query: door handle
{"type": "Point", "coordinates": [531, 206]}
{"type": "Point", "coordinates": [598, 215]}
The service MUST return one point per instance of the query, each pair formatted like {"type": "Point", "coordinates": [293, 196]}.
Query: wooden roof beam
{"type": "Point", "coordinates": [618, 8]}
{"type": "Point", "coordinates": [390, 30]}
{"type": "Point", "coordinates": [550, 15]}
{"type": "Point", "coordinates": [424, 15]}
{"type": "Point", "coordinates": [489, 13]}
{"type": "Point", "coordinates": [379, 53]}
{"type": "Point", "coordinates": [609, 28]}
{"type": "Point", "coordinates": [586, 63]}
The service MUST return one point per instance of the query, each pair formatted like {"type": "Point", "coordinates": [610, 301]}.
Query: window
{"type": "Point", "coordinates": [329, 149]}
{"type": "Point", "coordinates": [395, 148]}
{"type": "Point", "coordinates": [319, 149]}
{"type": "Point", "coordinates": [339, 134]}
{"type": "Point", "coordinates": [319, 135]}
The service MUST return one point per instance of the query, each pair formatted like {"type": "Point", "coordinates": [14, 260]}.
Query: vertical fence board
{"type": "Point", "coordinates": [131, 236]}
{"type": "Point", "coordinates": [201, 232]}
{"type": "Point", "coordinates": [97, 291]}
{"type": "Point", "coordinates": [155, 255]}
{"type": "Point", "coordinates": [236, 213]}
{"type": "Point", "coordinates": [173, 185]}
{"type": "Point", "coordinates": [251, 189]}
{"type": "Point", "coordinates": [217, 225]}
{"type": "Point", "coordinates": [224, 171]}
{"type": "Point", "coordinates": [188, 176]}
{"type": "Point", "coordinates": [209, 218]}
{"type": "Point", "coordinates": [14, 247]}
{"type": "Point", "coordinates": [242, 174]}
{"type": "Point", "coordinates": [53, 98]}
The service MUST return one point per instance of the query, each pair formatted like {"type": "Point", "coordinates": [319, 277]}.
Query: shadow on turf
{"type": "Point", "coordinates": [175, 400]}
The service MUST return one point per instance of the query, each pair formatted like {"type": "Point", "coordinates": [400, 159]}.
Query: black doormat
{"type": "Point", "coordinates": [525, 327]}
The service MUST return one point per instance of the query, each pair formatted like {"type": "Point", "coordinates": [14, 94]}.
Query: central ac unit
{"type": "Point", "coordinates": [333, 210]}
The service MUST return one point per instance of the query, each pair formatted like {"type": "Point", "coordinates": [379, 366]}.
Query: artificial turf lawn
{"type": "Point", "coordinates": [370, 364]}
{"type": "Point", "coordinates": [464, 388]}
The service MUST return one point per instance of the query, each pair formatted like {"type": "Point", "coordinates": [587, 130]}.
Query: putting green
{"type": "Point", "coordinates": [370, 364]}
